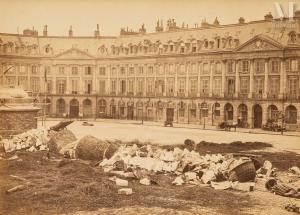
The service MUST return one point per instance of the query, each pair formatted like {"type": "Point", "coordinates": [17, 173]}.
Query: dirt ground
{"type": "Point", "coordinates": [56, 186]}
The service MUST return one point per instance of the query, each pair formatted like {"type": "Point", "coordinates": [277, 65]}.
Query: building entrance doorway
{"type": "Point", "coordinates": [257, 116]}
{"type": "Point", "coordinates": [74, 108]}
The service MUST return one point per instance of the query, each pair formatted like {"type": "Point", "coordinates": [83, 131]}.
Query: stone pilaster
{"type": "Point", "coordinates": [251, 82]}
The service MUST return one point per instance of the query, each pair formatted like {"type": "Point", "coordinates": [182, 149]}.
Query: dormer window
{"type": "Point", "coordinates": [218, 42]}
{"type": "Point", "coordinates": [171, 48]}
{"type": "Point", "coordinates": [206, 44]}
{"type": "Point", "coordinates": [88, 70]}
{"type": "Point", "coordinates": [292, 37]}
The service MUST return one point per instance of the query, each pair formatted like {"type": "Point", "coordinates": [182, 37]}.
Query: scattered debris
{"type": "Point", "coordinates": [125, 191]}
{"type": "Point", "coordinates": [178, 181]}
{"type": "Point", "coordinates": [295, 170]}
{"type": "Point", "coordinates": [145, 181]}
{"type": "Point", "coordinates": [18, 177]}
{"type": "Point", "coordinates": [87, 124]}
{"type": "Point", "coordinates": [32, 140]}
{"type": "Point", "coordinates": [121, 182]}
{"type": "Point", "coordinates": [292, 208]}
{"type": "Point", "coordinates": [16, 188]}
{"type": "Point", "coordinates": [188, 165]}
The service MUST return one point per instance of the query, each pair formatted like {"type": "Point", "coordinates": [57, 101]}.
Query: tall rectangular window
{"type": "Point", "coordinates": [34, 70]}
{"type": "Point", "coordinates": [23, 69]}
{"type": "Point", "coordinates": [204, 86]}
{"type": "Point", "coordinates": [88, 70]}
{"type": "Point", "coordinates": [181, 85]}
{"type": "Point", "coordinates": [294, 65]}
{"type": "Point", "coordinates": [140, 85]}
{"type": "Point", "coordinates": [141, 70]}
{"type": "Point", "coordinates": [35, 84]}
{"type": "Point", "coordinates": [61, 70]}
{"type": "Point", "coordinates": [122, 71]}
{"type": "Point", "coordinates": [218, 68]}
{"type": "Point", "coordinates": [102, 87]}
{"type": "Point", "coordinates": [49, 86]}
{"type": "Point", "coordinates": [205, 68]}
{"type": "Point", "coordinates": [193, 85]}
{"type": "Point", "coordinates": [292, 86]}
{"type": "Point", "coordinates": [88, 86]}
{"type": "Point", "coordinates": [259, 66]}
{"type": "Point", "coordinates": [61, 86]}
{"type": "Point", "coordinates": [123, 86]}
{"type": "Point", "coordinates": [74, 70]}
{"type": "Point", "coordinates": [230, 67]}
{"type": "Point", "coordinates": [130, 85]}
{"type": "Point", "coordinates": [244, 85]}
{"type": "Point", "coordinates": [259, 85]}
{"type": "Point", "coordinates": [217, 86]}
{"type": "Point", "coordinates": [75, 84]}
{"type": "Point", "coordinates": [102, 71]}
{"type": "Point", "coordinates": [113, 86]}
{"type": "Point", "coordinates": [150, 85]}
{"type": "Point", "coordinates": [10, 80]}
{"type": "Point", "coordinates": [131, 70]}
{"type": "Point", "coordinates": [274, 85]}
{"type": "Point", "coordinates": [170, 85]}
{"type": "Point", "coordinates": [275, 66]}
{"type": "Point", "coordinates": [244, 66]}
{"type": "Point", "coordinates": [150, 70]}
{"type": "Point", "coordinates": [23, 82]}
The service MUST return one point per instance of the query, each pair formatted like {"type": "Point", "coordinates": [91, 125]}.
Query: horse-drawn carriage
{"type": "Point", "coordinates": [227, 125]}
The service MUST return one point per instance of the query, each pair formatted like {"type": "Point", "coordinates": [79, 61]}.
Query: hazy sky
{"type": "Point", "coordinates": [111, 15]}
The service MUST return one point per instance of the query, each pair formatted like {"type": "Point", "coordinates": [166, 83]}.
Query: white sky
{"type": "Point", "coordinates": [111, 15]}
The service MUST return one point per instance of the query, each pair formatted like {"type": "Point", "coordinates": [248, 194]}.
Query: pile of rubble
{"type": "Point", "coordinates": [32, 140]}
{"type": "Point", "coordinates": [187, 167]}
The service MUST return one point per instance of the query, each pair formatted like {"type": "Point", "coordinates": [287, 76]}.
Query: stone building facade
{"type": "Point", "coordinates": [247, 71]}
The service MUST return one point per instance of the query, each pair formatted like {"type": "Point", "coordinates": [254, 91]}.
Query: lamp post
{"type": "Point", "coordinates": [282, 113]}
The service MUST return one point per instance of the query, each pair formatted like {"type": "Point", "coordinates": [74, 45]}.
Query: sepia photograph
{"type": "Point", "coordinates": [149, 107]}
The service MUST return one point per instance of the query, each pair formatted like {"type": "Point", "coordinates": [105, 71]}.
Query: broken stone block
{"type": "Point", "coordinates": [145, 181]}
{"type": "Point", "coordinates": [208, 176]}
{"type": "Point", "coordinates": [295, 170]}
{"type": "Point", "coordinates": [125, 191]}
{"type": "Point", "coordinates": [121, 182]}
{"type": "Point", "coordinates": [178, 181]}
{"type": "Point", "coordinates": [189, 176]}
{"type": "Point", "coordinates": [32, 149]}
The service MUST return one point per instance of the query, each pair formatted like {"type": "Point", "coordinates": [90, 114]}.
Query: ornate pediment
{"type": "Point", "coordinates": [259, 43]}
{"type": "Point", "coordinates": [74, 53]}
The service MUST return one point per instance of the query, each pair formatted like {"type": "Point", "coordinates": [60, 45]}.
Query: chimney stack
{"type": "Point", "coordinates": [241, 20]}
{"type": "Point", "coordinates": [268, 17]}
{"type": "Point", "coordinates": [97, 32]}
{"type": "Point", "coordinates": [45, 31]}
{"type": "Point", "coordinates": [70, 32]}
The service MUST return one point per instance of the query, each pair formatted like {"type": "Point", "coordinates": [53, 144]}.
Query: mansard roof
{"type": "Point", "coordinates": [242, 35]}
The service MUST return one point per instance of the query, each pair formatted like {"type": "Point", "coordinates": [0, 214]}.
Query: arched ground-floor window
{"type": "Point", "coordinates": [291, 114]}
